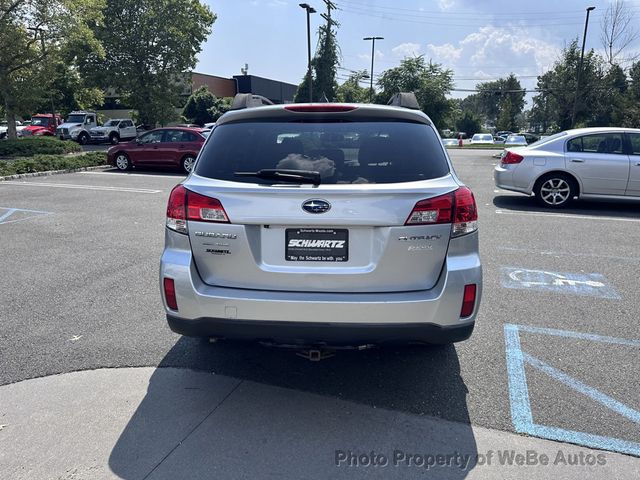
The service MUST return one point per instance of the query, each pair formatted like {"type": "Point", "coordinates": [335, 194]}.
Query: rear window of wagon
{"type": "Point", "coordinates": [342, 152]}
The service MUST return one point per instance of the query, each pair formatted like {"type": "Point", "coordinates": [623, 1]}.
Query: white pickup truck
{"type": "Point", "coordinates": [113, 131]}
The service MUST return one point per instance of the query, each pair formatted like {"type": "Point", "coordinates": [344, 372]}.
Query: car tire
{"type": "Point", "coordinates": [555, 190]}
{"type": "Point", "coordinates": [187, 163]}
{"type": "Point", "coordinates": [114, 139]}
{"type": "Point", "coordinates": [123, 162]}
{"type": "Point", "coordinates": [83, 138]}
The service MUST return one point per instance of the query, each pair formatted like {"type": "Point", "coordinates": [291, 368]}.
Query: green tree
{"type": "Point", "coordinates": [430, 82]}
{"type": "Point", "coordinates": [323, 67]}
{"type": "Point", "coordinates": [219, 108]}
{"type": "Point", "coordinates": [469, 123]}
{"type": "Point", "coordinates": [149, 45]}
{"type": "Point", "coordinates": [35, 34]}
{"type": "Point", "coordinates": [351, 91]}
{"type": "Point", "coordinates": [198, 105]}
{"type": "Point", "coordinates": [557, 89]}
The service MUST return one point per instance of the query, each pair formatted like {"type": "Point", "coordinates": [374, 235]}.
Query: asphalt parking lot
{"type": "Point", "coordinates": [555, 352]}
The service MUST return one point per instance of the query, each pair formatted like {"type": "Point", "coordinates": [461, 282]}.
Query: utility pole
{"type": "Point", "coordinates": [373, 54]}
{"type": "Point", "coordinates": [584, 40]}
{"type": "Point", "coordinates": [309, 10]}
{"type": "Point", "coordinates": [323, 73]}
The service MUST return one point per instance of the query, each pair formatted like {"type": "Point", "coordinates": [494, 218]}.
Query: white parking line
{"type": "Point", "coordinates": [131, 174]}
{"type": "Point", "coordinates": [552, 253]}
{"type": "Point", "coordinates": [83, 187]}
{"type": "Point", "coordinates": [568, 215]}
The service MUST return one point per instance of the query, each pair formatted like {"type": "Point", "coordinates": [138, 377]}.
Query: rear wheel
{"type": "Point", "coordinates": [555, 190]}
{"type": "Point", "coordinates": [114, 138]}
{"type": "Point", "coordinates": [123, 162]}
{"type": "Point", "coordinates": [187, 163]}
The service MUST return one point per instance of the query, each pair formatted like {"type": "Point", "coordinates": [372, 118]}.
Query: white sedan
{"type": "Point", "coordinates": [482, 139]}
{"type": "Point", "coordinates": [585, 163]}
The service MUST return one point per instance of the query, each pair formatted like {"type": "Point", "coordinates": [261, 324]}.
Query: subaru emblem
{"type": "Point", "coordinates": [315, 205]}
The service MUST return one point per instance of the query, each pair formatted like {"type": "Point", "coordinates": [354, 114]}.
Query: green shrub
{"type": "Point", "coordinates": [43, 163]}
{"type": "Point", "coordinates": [28, 147]}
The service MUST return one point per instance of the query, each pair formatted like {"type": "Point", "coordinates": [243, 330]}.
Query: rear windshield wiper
{"type": "Point", "coordinates": [283, 175]}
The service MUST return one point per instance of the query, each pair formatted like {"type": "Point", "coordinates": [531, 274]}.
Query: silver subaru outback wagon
{"type": "Point", "coordinates": [322, 224]}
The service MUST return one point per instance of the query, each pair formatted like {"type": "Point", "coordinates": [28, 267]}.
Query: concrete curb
{"type": "Point", "coordinates": [48, 173]}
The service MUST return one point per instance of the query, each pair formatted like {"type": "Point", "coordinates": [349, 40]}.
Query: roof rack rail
{"type": "Point", "coordinates": [248, 100]}
{"type": "Point", "coordinates": [404, 99]}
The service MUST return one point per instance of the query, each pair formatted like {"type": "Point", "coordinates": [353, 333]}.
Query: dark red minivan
{"type": "Point", "coordinates": [162, 147]}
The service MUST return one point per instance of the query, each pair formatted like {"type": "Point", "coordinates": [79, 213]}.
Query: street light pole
{"type": "Point", "coordinates": [584, 40]}
{"type": "Point", "coordinates": [373, 50]}
{"type": "Point", "coordinates": [309, 10]}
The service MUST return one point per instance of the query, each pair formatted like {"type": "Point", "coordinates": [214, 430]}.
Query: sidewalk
{"type": "Point", "coordinates": [135, 423]}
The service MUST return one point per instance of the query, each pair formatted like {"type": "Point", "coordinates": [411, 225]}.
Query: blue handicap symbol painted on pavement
{"type": "Point", "coordinates": [584, 284]}
{"type": "Point", "coordinates": [521, 415]}
{"type": "Point", "coordinates": [13, 215]}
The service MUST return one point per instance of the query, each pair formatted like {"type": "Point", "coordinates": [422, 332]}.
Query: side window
{"type": "Point", "coordinates": [151, 137]}
{"type": "Point", "coordinates": [635, 143]}
{"type": "Point", "coordinates": [175, 136]}
{"type": "Point", "coordinates": [126, 124]}
{"type": "Point", "coordinates": [602, 143]}
{"type": "Point", "coordinates": [574, 145]}
{"type": "Point", "coordinates": [90, 119]}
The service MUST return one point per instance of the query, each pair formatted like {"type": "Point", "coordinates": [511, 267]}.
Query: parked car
{"type": "Point", "coordinates": [77, 127]}
{"type": "Point", "coordinates": [515, 141]}
{"type": "Point", "coordinates": [113, 131]}
{"type": "Point", "coordinates": [42, 124]}
{"type": "Point", "coordinates": [4, 127]}
{"type": "Point", "coordinates": [482, 139]}
{"type": "Point", "coordinates": [499, 140]}
{"type": "Point", "coordinates": [585, 163]}
{"type": "Point", "coordinates": [530, 137]}
{"type": "Point", "coordinates": [280, 234]}
{"type": "Point", "coordinates": [503, 133]}
{"type": "Point", "coordinates": [162, 147]}
{"type": "Point", "coordinates": [449, 142]}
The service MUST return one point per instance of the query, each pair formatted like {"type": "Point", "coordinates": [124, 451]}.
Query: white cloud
{"type": "Point", "coordinates": [508, 45]}
{"type": "Point", "coordinates": [446, 4]}
{"type": "Point", "coordinates": [277, 3]}
{"type": "Point", "coordinates": [407, 50]}
{"type": "Point", "coordinates": [481, 74]}
{"type": "Point", "coordinates": [445, 53]}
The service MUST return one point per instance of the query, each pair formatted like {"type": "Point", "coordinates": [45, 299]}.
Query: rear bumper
{"type": "Point", "coordinates": [320, 333]}
{"type": "Point", "coordinates": [503, 178]}
{"type": "Point", "coordinates": [205, 310]}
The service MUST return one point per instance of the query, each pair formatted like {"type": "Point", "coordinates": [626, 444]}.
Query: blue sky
{"type": "Point", "coordinates": [478, 40]}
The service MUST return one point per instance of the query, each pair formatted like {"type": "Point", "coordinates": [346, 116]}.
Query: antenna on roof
{"type": "Point", "coordinates": [245, 69]}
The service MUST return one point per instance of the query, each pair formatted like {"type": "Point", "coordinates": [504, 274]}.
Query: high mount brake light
{"type": "Point", "coordinates": [457, 207]}
{"type": "Point", "coordinates": [185, 205]}
{"type": "Point", "coordinates": [319, 107]}
{"type": "Point", "coordinates": [511, 158]}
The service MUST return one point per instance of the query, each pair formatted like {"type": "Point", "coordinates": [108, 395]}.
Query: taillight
{"type": "Point", "coordinates": [468, 300]}
{"type": "Point", "coordinates": [511, 158]}
{"type": "Point", "coordinates": [205, 209]}
{"type": "Point", "coordinates": [319, 107]}
{"type": "Point", "coordinates": [458, 207]}
{"type": "Point", "coordinates": [465, 216]}
{"type": "Point", "coordinates": [176, 209]}
{"type": "Point", "coordinates": [170, 293]}
{"type": "Point", "coordinates": [432, 211]}
{"type": "Point", "coordinates": [186, 205]}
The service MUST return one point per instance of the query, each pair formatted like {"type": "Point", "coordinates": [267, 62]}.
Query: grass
{"type": "Point", "coordinates": [30, 146]}
{"type": "Point", "coordinates": [43, 163]}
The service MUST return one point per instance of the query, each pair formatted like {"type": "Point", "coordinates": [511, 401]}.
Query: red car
{"type": "Point", "coordinates": [162, 147]}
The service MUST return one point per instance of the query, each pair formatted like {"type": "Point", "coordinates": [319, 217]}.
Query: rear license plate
{"type": "Point", "coordinates": [317, 245]}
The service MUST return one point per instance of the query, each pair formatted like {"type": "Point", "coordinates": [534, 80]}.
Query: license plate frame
{"type": "Point", "coordinates": [326, 245]}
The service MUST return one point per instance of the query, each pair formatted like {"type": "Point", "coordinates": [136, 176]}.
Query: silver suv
{"type": "Point", "coordinates": [322, 224]}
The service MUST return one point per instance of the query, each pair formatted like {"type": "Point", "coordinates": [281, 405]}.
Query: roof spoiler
{"type": "Point", "coordinates": [248, 100]}
{"type": "Point", "coordinates": [404, 99]}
